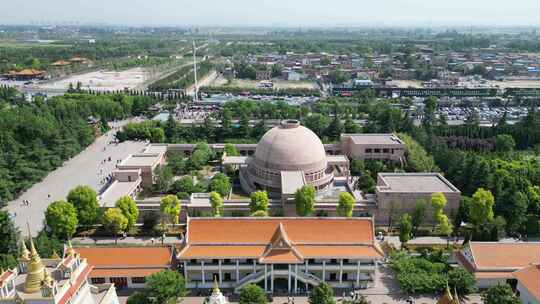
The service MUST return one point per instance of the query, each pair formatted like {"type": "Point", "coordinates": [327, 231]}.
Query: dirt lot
{"type": "Point", "coordinates": [516, 84]}
{"type": "Point", "coordinates": [101, 80]}
{"type": "Point", "coordinates": [251, 84]}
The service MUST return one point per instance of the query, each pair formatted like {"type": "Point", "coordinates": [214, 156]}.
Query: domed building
{"type": "Point", "coordinates": [287, 157]}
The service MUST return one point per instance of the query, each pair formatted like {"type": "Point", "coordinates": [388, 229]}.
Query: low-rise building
{"type": "Point", "coordinates": [126, 267]}
{"type": "Point", "coordinates": [282, 254]}
{"type": "Point", "coordinates": [528, 284]}
{"type": "Point", "coordinates": [397, 193]}
{"type": "Point", "coordinates": [494, 263]}
{"type": "Point", "coordinates": [373, 146]}
{"type": "Point", "coordinates": [147, 161]}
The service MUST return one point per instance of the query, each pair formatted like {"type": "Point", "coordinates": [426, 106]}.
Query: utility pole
{"type": "Point", "coordinates": [196, 89]}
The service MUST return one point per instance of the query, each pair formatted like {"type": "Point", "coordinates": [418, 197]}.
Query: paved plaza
{"type": "Point", "coordinates": [87, 168]}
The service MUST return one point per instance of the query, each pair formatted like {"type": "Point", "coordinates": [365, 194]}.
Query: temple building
{"type": "Point", "coordinates": [279, 254]}
{"type": "Point", "coordinates": [53, 281]}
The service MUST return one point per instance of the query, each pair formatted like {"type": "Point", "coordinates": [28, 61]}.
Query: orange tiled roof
{"type": "Point", "coordinates": [25, 72]}
{"type": "Point", "coordinates": [124, 257]}
{"type": "Point", "coordinates": [4, 276]}
{"type": "Point", "coordinates": [496, 256]}
{"type": "Point", "coordinates": [281, 240]}
{"type": "Point", "coordinates": [299, 230]}
{"type": "Point", "coordinates": [530, 278]}
{"type": "Point", "coordinates": [124, 272]}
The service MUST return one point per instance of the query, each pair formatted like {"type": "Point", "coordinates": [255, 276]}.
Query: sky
{"type": "Point", "coordinates": [373, 13]}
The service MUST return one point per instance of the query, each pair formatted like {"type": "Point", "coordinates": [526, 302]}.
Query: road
{"type": "Point", "coordinates": [84, 169]}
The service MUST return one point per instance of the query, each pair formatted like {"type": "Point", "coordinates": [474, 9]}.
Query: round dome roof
{"type": "Point", "coordinates": [290, 147]}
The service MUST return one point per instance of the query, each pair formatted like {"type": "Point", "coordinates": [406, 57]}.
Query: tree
{"type": "Point", "coordinates": [461, 280]}
{"type": "Point", "coordinates": [61, 218]}
{"type": "Point", "coordinates": [500, 294]}
{"type": "Point", "coordinates": [166, 286]}
{"type": "Point", "coordinates": [138, 298]}
{"type": "Point", "coordinates": [259, 201]}
{"type": "Point", "coordinates": [84, 199]}
{"type": "Point", "coordinates": [170, 127]}
{"type": "Point", "coordinates": [405, 228]}
{"type": "Point", "coordinates": [231, 150]}
{"type": "Point", "coordinates": [438, 201]}
{"type": "Point", "coordinates": [217, 204]}
{"type": "Point", "coordinates": [184, 184]}
{"type": "Point", "coordinates": [260, 213]}
{"type": "Point", "coordinates": [7, 261]}
{"type": "Point", "coordinates": [221, 184]}
{"type": "Point", "coordinates": [114, 221]}
{"type": "Point", "coordinates": [305, 200]}
{"type": "Point", "coordinates": [418, 214]}
{"type": "Point", "coordinates": [252, 294]}
{"type": "Point", "coordinates": [317, 123]}
{"type": "Point", "coordinates": [170, 206]}
{"type": "Point", "coordinates": [345, 204]}
{"type": "Point", "coordinates": [129, 209]}
{"type": "Point", "coordinates": [157, 135]}
{"type": "Point", "coordinates": [9, 235]}
{"type": "Point", "coordinates": [481, 209]}
{"type": "Point", "coordinates": [163, 179]}
{"type": "Point", "coordinates": [322, 294]}
{"type": "Point", "coordinates": [504, 143]}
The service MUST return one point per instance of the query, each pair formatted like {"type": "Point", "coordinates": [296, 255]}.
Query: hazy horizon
{"type": "Point", "coordinates": [273, 13]}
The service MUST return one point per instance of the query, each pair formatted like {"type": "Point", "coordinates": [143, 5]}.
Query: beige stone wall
{"type": "Point", "coordinates": [398, 203]}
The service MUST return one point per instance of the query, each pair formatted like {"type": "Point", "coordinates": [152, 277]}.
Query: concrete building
{"type": "Point", "coordinates": [126, 267]}
{"type": "Point", "coordinates": [373, 146]}
{"type": "Point", "coordinates": [146, 162]}
{"type": "Point", "coordinates": [53, 281]}
{"type": "Point", "coordinates": [528, 284]}
{"type": "Point", "coordinates": [281, 254]}
{"type": "Point", "coordinates": [397, 193]}
{"type": "Point", "coordinates": [494, 263]}
{"type": "Point", "coordinates": [287, 158]}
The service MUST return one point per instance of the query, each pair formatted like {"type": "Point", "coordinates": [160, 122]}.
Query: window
{"type": "Point", "coordinates": [227, 276]}
{"type": "Point", "coordinates": [214, 261]}
{"type": "Point", "coordinates": [369, 150]}
{"type": "Point", "coordinates": [345, 277]}
{"type": "Point", "coordinates": [227, 261]}
{"type": "Point", "coordinates": [333, 276]}
{"type": "Point", "coordinates": [138, 280]}
{"type": "Point", "coordinates": [333, 261]}
{"type": "Point", "coordinates": [249, 261]}
{"type": "Point", "coordinates": [129, 178]}
{"type": "Point", "coordinates": [377, 150]}
{"type": "Point", "coordinates": [385, 150]}
{"type": "Point", "coordinates": [345, 261]}
{"type": "Point", "coordinates": [193, 261]}
{"type": "Point", "coordinates": [98, 280]}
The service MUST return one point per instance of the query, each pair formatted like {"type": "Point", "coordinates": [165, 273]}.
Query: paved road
{"type": "Point", "coordinates": [84, 169]}
{"type": "Point", "coordinates": [125, 241]}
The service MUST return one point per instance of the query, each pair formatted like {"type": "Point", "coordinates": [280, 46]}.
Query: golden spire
{"type": "Point", "coordinates": [446, 298]}
{"type": "Point", "coordinates": [25, 254]}
{"type": "Point", "coordinates": [69, 249]}
{"type": "Point", "coordinates": [35, 269]}
{"type": "Point", "coordinates": [55, 255]}
{"type": "Point", "coordinates": [216, 290]}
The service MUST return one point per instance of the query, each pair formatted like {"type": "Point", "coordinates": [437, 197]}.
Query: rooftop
{"type": "Point", "coordinates": [128, 261]}
{"type": "Point", "coordinates": [280, 239]}
{"type": "Point", "coordinates": [496, 255]}
{"type": "Point", "coordinates": [375, 139]}
{"type": "Point", "coordinates": [414, 182]}
{"type": "Point", "coordinates": [530, 278]}
{"type": "Point", "coordinates": [116, 190]}
{"type": "Point", "coordinates": [141, 160]}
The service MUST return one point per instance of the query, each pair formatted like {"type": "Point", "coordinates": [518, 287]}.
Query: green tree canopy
{"type": "Point", "coordinates": [61, 218]}
{"type": "Point", "coordinates": [500, 294]}
{"type": "Point", "coordinates": [259, 201]}
{"type": "Point", "coordinates": [9, 235]}
{"type": "Point", "coordinates": [129, 209]}
{"type": "Point", "coordinates": [217, 204]}
{"type": "Point", "coordinates": [84, 199]}
{"type": "Point", "coordinates": [418, 214]}
{"type": "Point", "coordinates": [138, 298]}
{"type": "Point", "coordinates": [322, 294]}
{"type": "Point", "coordinates": [221, 184]}
{"type": "Point", "coordinates": [252, 294]}
{"type": "Point", "coordinates": [405, 228]}
{"type": "Point", "coordinates": [461, 280]}
{"type": "Point", "coordinates": [504, 143]}
{"type": "Point", "coordinates": [305, 200]}
{"type": "Point", "coordinates": [166, 286]}
{"type": "Point", "coordinates": [260, 213]}
{"type": "Point", "coordinates": [170, 206]}
{"type": "Point", "coordinates": [481, 208]}
{"type": "Point", "coordinates": [345, 204]}
{"type": "Point", "coordinates": [114, 221]}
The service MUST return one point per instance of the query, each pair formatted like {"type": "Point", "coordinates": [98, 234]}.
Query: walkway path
{"type": "Point", "coordinates": [84, 169]}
